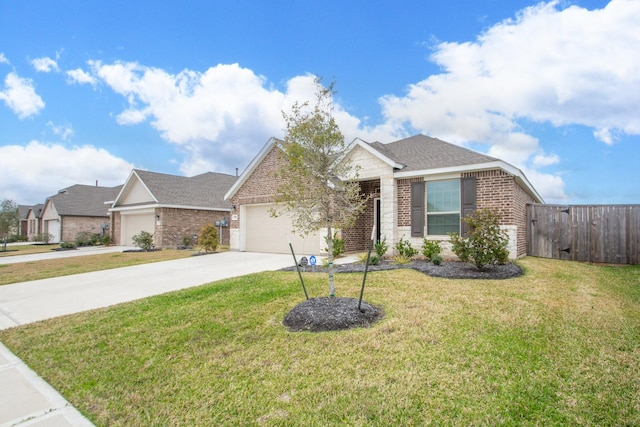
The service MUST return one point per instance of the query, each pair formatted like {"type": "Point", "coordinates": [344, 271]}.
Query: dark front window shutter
{"type": "Point", "coordinates": [417, 209]}
{"type": "Point", "coordinates": [468, 198]}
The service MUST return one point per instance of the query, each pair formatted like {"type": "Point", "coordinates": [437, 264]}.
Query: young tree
{"type": "Point", "coordinates": [318, 187]}
{"type": "Point", "coordinates": [208, 238]}
{"type": "Point", "coordinates": [8, 220]}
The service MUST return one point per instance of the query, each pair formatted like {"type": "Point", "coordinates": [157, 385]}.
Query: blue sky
{"type": "Point", "coordinates": [90, 90]}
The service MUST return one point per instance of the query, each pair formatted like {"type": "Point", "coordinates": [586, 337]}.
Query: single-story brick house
{"type": "Point", "coordinates": [418, 187]}
{"type": "Point", "coordinates": [170, 207]}
{"type": "Point", "coordinates": [76, 209]}
{"type": "Point", "coordinates": [33, 221]}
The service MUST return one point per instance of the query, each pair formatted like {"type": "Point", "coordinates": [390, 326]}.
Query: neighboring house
{"type": "Point", "coordinates": [33, 222]}
{"type": "Point", "coordinates": [418, 187]}
{"type": "Point", "coordinates": [170, 207]}
{"type": "Point", "coordinates": [23, 224]}
{"type": "Point", "coordinates": [76, 209]}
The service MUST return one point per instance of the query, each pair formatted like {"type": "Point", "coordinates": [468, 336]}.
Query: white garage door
{"type": "Point", "coordinates": [52, 227]}
{"type": "Point", "coordinates": [263, 233]}
{"type": "Point", "coordinates": [134, 224]}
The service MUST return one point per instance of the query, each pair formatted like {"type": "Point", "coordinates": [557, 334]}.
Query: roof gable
{"type": "Point", "coordinates": [134, 191]}
{"type": "Point", "coordinates": [35, 211]}
{"type": "Point", "coordinates": [201, 191]}
{"type": "Point", "coordinates": [82, 200]}
{"type": "Point", "coordinates": [251, 167]}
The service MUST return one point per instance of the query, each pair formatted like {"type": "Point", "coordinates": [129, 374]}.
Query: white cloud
{"type": "Point", "coordinates": [20, 95]}
{"type": "Point", "coordinates": [3, 59]}
{"type": "Point", "coordinates": [45, 65]}
{"type": "Point", "coordinates": [605, 135]}
{"type": "Point", "coordinates": [80, 76]}
{"type": "Point", "coordinates": [63, 131]}
{"type": "Point", "coordinates": [549, 65]}
{"type": "Point", "coordinates": [219, 118]}
{"type": "Point", "coordinates": [52, 167]}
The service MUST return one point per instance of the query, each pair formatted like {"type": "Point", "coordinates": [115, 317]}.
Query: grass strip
{"type": "Point", "coordinates": [45, 269]}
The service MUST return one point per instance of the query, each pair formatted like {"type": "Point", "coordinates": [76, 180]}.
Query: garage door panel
{"type": "Point", "coordinates": [134, 224]}
{"type": "Point", "coordinates": [52, 227]}
{"type": "Point", "coordinates": [265, 233]}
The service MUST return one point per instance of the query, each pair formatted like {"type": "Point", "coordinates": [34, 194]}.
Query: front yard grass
{"type": "Point", "coordinates": [557, 346]}
{"type": "Point", "coordinates": [27, 249]}
{"type": "Point", "coordinates": [44, 269]}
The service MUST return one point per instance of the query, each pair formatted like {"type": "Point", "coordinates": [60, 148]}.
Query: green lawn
{"type": "Point", "coordinates": [558, 346]}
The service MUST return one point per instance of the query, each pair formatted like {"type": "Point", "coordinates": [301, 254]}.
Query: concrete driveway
{"type": "Point", "coordinates": [27, 302]}
{"type": "Point", "coordinates": [25, 398]}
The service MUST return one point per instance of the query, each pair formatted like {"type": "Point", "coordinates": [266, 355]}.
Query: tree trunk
{"type": "Point", "coordinates": [332, 285]}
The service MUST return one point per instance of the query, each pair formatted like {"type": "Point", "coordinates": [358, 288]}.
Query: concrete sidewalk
{"type": "Point", "coordinates": [25, 398]}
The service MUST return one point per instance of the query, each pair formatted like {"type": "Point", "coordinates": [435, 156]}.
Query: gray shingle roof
{"type": "Point", "coordinates": [23, 211]}
{"type": "Point", "coordinates": [421, 152]}
{"type": "Point", "coordinates": [37, 210]}
{"type": "Point", "coordinates": [84, 200]}
{"type": "Point", "coordinates": [206, 190]}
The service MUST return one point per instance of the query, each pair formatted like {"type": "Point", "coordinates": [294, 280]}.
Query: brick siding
{"type": "Point", "coordinates": [261, 186]}
{"type": "Point", "coordinates": [404, 201]}
{"type": "Point", "coordinates": [175, 225]}
{"type": "Point", "coordinates": [498, 190]}
{"type": "Point", "coordinates": [115, 228]}
{"type": "Point", "coordinates": [72, 225]}
{"type": "Point", "coordinates": [179, 223]}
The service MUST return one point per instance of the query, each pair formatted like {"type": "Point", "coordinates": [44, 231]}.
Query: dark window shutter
{"type": "Point", "coordinates": [468, 198]}
{"type": "Point", "coordinates": [417, 209]}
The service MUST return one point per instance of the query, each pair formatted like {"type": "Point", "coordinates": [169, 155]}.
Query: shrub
{"type": "Point", "coordinates": [402, 259]}
{"type": "Point", "coordinates": [105, 239]}
{"type": "Point", "coordinates": [186, 241]}
{"type": "Point", "coordinates": [436, 259]}
{"type": "Point", "coordinates": [338, 245]}
{"type": "Point", "coordinates": [208, 238]}
{"type": "Point", "coordinates": [44, 237]}
{"type": "Point", "coordinates": [381, 247]}
{"type": "Point", "coordinates": [374, 259]}
{"type": "Point", "coordinates": [430, 248]}
{"type": "Point", "coordinates": [67, 245]}
{"type": "Point", "coordinates": [405, 249]}
{"type": "Point", "coordinates": [144, 240]}
{"type": "Point", "coordinates": [85, 238]}
{"type": "Point", "coordinates": [485, 243]}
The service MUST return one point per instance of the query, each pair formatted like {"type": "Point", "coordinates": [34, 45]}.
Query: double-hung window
{"type": "Point", "coordinates": [443, 207]}
{"type": "Point", "coordinates": [441, 204]}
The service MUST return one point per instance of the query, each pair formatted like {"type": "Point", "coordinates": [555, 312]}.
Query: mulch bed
{"type": "Point", "coordinates": [332, 314]}
{"type": "Point", "coordinates": [448, 270]}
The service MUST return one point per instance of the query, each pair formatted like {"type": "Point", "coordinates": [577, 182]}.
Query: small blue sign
{"type": "Point", "coordinates": [312, 260]}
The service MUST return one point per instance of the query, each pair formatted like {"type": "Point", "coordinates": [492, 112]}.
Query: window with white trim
{"type": "Point", "coordinates": [443, 207]}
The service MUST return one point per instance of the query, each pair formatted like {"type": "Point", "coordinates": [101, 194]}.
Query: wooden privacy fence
{"type": "Point", "coordinates": [601, 233]}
